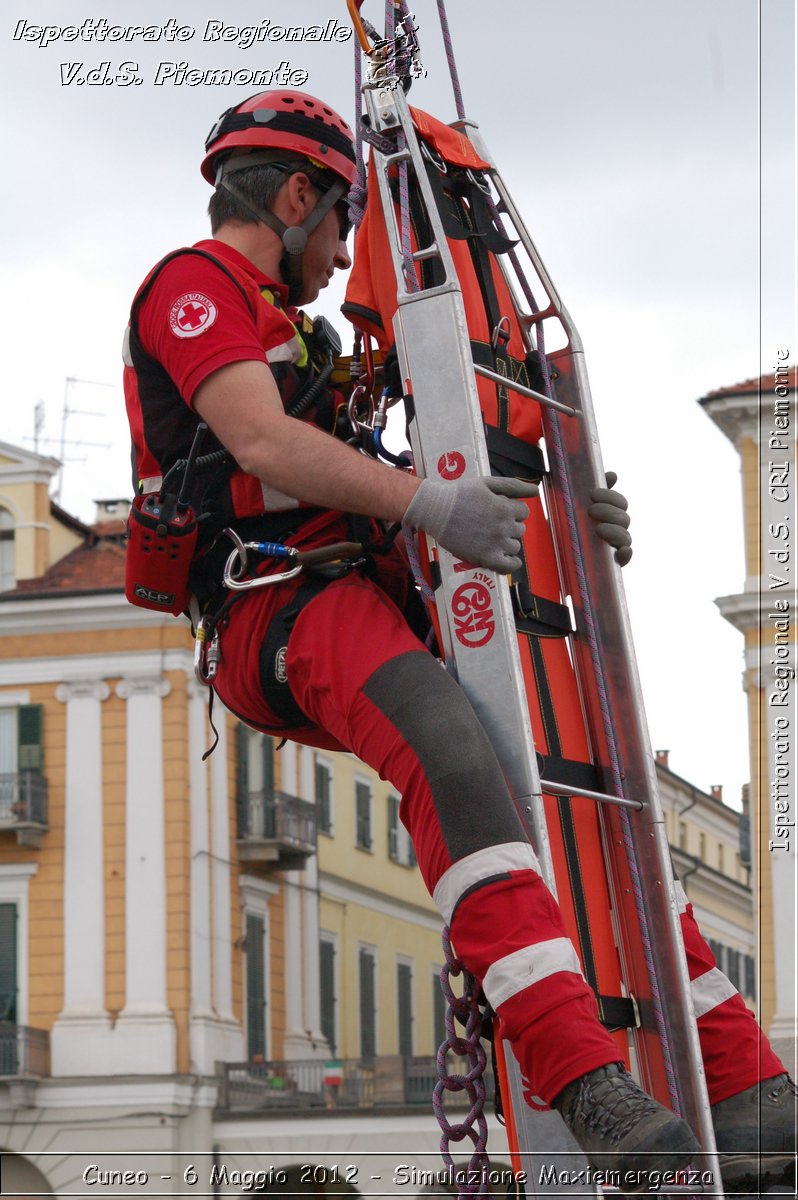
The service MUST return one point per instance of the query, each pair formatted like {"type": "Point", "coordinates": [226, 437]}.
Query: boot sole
{"type": "Point", "coordinates": [747, 1173]}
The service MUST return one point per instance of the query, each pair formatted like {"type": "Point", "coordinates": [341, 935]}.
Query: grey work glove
{"type": "Point", "coordinates": [608, 510]}
{"type": "Point", "coordinates": [478, 520]}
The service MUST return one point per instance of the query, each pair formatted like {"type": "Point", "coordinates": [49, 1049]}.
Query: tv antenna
{"type": "Point", "coordinates": [67, 412]}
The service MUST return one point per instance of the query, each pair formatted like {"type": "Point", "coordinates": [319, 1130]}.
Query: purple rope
{"type": "Point", "coordinates": [357, 196]}
{"type": "Point", "coordinates": [447, 43]}
{"type": "Point", "coordinates": [408, 266]}
{"type": "Point", "coordinates": [474, 1125]}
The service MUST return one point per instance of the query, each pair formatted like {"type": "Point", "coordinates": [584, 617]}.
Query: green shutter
{"type": "Point", "coordinates": [242, 773]}
{"type": "Point", "coordinates": [256, 987]}
{"type": "Point", "coordinates": [363, 815]}
{"type": "Point", "coordinates": [393, 828]}
{"type": "Point", "coordinates": [323, 797]}
{"type": "Point", "coordinates": [749, 986]}
{"type": "Point", "coordinates": [404, 1008]}
{"type": "Point", "coordinates": [242, 781]}
{"type": "Point", "coordinates": [368, 1039]}
{"type": "Point", "coordinates": [30, 742]}
{"type": "Point", "coordinates": [327, 990]}
{"type": "Point", "coordinates": [267, 801]}
{"type": "Point", "coordinates": [267, 751]}
{"type": "Point", "coordinates": [8, 962]}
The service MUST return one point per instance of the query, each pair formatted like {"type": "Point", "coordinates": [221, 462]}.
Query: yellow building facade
{"type": "Point", "coordinates": [759, 418]}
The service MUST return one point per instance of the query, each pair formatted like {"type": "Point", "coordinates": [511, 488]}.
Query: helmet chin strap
{"type": "Point", "coordinates": [293, 237]}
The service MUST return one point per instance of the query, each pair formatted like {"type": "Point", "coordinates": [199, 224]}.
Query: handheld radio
{"type": "Point", "coordinates": [162, 535]}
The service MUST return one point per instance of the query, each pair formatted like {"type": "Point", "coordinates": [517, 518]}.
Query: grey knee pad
{"type": "Point", "coordinates": [433, 715]}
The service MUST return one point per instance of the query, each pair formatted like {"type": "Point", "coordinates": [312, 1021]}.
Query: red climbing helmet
{"type": "Point", "coordinates": [283, 120]}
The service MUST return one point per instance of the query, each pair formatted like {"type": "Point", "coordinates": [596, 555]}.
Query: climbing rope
{"type": "Point", "coordinates": [468, 1045]}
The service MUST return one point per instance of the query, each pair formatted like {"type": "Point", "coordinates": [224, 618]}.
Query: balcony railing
{"type": "Point", "coordinates": [24, 1051]}
{"type": "Point", "coordinates": [276, 828]}
{"type": "Point", "coordinates": [389, 1080]}
{"type": "Point", "coordinates": [23, 806]}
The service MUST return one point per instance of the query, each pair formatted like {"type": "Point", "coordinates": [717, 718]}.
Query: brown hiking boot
{"type": "Point", "coordinates": [622, 1129]}
{"type": "Point", "coordinates": [755, 1135]}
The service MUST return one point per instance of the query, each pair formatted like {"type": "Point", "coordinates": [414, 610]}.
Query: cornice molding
{"type": "Point", "coordinates": [143, 685]}
{"type": "Point", "coordinates": [80, 689]}
{"type": "Point", "coordinates": [78, 668]}
{"type": "Point", "coordinates": [77, 614]}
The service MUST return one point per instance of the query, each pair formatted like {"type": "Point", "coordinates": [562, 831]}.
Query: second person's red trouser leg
{"type": "Point", "coordinates": [736, 1052]}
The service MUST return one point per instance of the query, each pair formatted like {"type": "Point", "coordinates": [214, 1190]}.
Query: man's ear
{"type": "Point", "coordinates": [299, 193]}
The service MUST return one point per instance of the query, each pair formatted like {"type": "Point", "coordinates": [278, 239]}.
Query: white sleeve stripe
{"type": "Point", "coordinates": [482, 864]}
{"type": "Point", "coordinates": [522, 968]}
{"type": "Point", "coordinates": [285, 352]}
{"type": "Point", "coordinates": [710, 990]}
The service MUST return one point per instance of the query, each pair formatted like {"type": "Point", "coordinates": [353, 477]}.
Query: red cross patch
{"type": "Point", "coordinates": [191, 315]}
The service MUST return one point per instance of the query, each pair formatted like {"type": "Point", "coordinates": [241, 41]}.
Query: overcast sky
{"type": "Point", "coordinates": [627, 131]}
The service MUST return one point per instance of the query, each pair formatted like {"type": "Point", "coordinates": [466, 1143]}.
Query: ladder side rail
{"type": "Point", "coordinates": [649, 839]}
{"type": "Point", "coordinates": [430, 328]}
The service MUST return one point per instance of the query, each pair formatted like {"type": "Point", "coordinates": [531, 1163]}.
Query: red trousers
{"type": "Point", "coordinates": [368, 685]}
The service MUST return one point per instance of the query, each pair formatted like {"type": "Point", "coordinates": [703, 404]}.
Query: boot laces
{"type": "Point", "coordinates": [610, 1106]}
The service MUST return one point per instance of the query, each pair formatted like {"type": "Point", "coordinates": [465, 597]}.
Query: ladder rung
{"type": "Point", "coordinates": [430, 252]}
{"type": "Point", "coordinates": [536, 318]}
{"type": "Point", "coordinates": [524, 391]}
{"type": "Point", "coordinates": [563, 789]}
{"type": "Point", "coordinates": [396, 157]}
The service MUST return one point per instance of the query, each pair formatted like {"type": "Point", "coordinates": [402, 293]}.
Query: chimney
{"type": "Point", "coordinates": [662, 757]}
{"type": "Point", "coordinates": [716, 791]}
{"type": "Point", "coordinates": [111, 510]}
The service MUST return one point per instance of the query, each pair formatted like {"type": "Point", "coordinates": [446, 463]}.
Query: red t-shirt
{"type": "Point", "coordinates": [196, 320]}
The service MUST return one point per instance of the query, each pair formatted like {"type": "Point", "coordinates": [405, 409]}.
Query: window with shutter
{"type": "Point", "coordinates": [8, 962]}
{"type": "Point", "coordinates": [393, 828]}
{"type": "Point", "coordinates": [8, 989]}
{"type": "Point", "coordinates": [9, 748]}
{"type": "Point", "coordinates": [31, 748]}
{"type": "Point", "coordinates": [267, 787]}
{"type": "Point", "coordinates": [404, 1008]}
{"type": "Point", "coordinates": [242, 781]}
{"type": "Point", "coordinates": [8, 554]}
{"type": "Point", "coordinates": [749, 977]}
{"type": "Point", "coordinates": [256, 986]}
{"type": "Point", "coordinates": [363, 837]}
{"type": "Point", "coordinates": [324, 797]}
{"type": "Point", "coordinates": [327, 990]}
{"type": "Point", "coordinates": [368, 1001]}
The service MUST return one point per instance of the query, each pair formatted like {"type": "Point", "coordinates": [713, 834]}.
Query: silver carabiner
{"type": "Point", "coordinates": [434, 157]}
{"type": "Point", "coordinates": [206, 653]}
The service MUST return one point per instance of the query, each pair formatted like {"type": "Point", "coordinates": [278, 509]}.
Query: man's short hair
{"type": "Point", "coordinates": [258, 185]}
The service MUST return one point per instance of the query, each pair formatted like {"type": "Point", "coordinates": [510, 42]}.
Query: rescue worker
{"type": "Point", "coordinates": [338, 663]}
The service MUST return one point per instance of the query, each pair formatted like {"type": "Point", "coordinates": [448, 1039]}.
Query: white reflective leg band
{"type": "Point", "coordinates": [710, 990]}
{"type": "Point", "coordinates": [681, 897]}
{"type": "Point", "coordinates": [522, 968]}
{"type": "Point", "coordinates": [482, 864]}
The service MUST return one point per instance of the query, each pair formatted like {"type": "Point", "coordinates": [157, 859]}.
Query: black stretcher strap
{"type": "Point", "coordinates": [617, 1012]}
{"type": "Point", "coordinates": [512, 458]}
{"type": "Point", "coordinates": [535, 614]}
{"type": "Point", "coordinates": [571, 772]}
